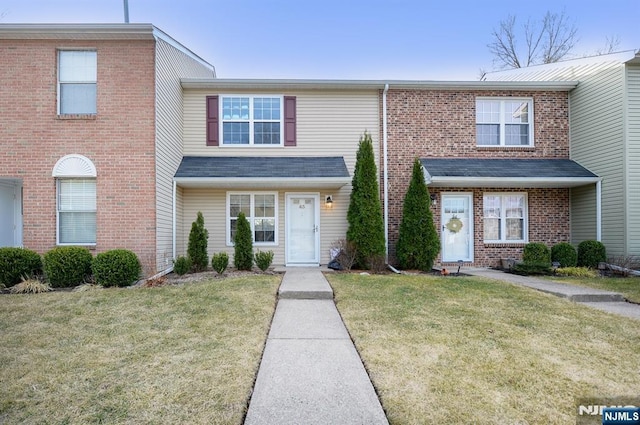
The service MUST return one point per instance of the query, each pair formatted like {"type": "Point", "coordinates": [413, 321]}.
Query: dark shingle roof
{"type": "Point", "coordinates": [505, 168]}
{"type": "Point", "coordinates": [262, 167]}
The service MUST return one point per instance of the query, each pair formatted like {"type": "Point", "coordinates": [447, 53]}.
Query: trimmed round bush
{"type": "Point", "coordinates": [565, 254]}
{"type": "Point", "coordinates": [182, 265]}
{"type": "Point", "coordinates": [220, 262]}
{"type": "Point", "coordinates": [67, 266]}
{"type": "Point", "coordinates": [16, 263]}
{"type": "Point", "coordinates": [118, 267]}
{"type": "Point", "coordinates": [264, 259]}
{"type": "Point", "coordinates": [591, 253]}
{"type": "Point", "coordinates": [536, 253]}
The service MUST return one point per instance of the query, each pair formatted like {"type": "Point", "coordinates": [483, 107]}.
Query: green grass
{"type": "Point", "coordinates": [629, 287]}
{"type": "Point", "coordinates": [173, 354]}
{"type": "Point", "coordinates": [472, 350]}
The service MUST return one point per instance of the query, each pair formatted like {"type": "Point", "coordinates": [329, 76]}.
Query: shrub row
{"type": "Point", "coordinates": [67, 266]}
{"type": "Point", "coordinates": [220, 261]}
{"type": "Point", "coordinates": [537, 258]}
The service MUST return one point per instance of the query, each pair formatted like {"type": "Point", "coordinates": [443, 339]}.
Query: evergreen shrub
{"type": "Point", "coordinates": [220, 262]}
{"type": "Point", "coordinates": [264, 259]}
{"type": "Point", "coordinates": [536, 253]}
{"type": "Point", "coordinates": [243, 244]}
{"type": "Point", "coordinates": [418, 242]}
{"type": "Point", "coordinates": [364, 216]}
{"type": "Point", "coordinates": [182, 265]}
{"type": "Point", "coordinates": [197, 248]}
{"type": "Point", "coordinates": [565, 254]}
{"type": "Point", "coordinates": [67, 266]}
{"type": "Point", "coordinates": [18, 263]}
{"type": "Point", "coordinates": [118, 267]}
{"type": "Point", "coordinates": [591, 253]}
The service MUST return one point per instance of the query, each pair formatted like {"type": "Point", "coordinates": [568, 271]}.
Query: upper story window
{"type": "Point", "coordinates": [77, 87]}
{"type": "Point", "coordinates": [251, 120]}
{"type": "Point", "coordinates": [243, 120]}
{"type": "Point", "coordinates": [504, 122]}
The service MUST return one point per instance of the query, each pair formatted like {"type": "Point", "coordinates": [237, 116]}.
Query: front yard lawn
{"type": "Point", "coordinates": [472, 350]}
{"type": "Point", "coordinates": [629, 287]}
{"type": "Point", "coordinates": [172, 354]}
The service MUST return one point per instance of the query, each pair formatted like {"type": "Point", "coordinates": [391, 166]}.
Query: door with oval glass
{"type": "Point", "coordinates": [457, 227]}
{"type": "Point", "coordinates": [303, 231]}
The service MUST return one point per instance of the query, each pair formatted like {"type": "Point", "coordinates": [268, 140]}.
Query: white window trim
{"type": "Point", "coordinates": [251, 220]}
{"type": "Point", "coordinates": [502, 137]}
{"type": "Point", "coordinates": [72, 166]}
{"type": "Point", "coordinates": [58, 181]}
{"type": "Point", "coordinates": [59, 83]}
{"type": "Point", "coordinates": [251, 121]}
{"type": "Point", "coordinates": [503, 221]}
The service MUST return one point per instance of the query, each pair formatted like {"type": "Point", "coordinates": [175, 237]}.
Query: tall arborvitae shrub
{"type": "Point", "coordinates": [366, 226]}
{"type": "Point", "coordinates": [197, 248]}
{"type": "Point", "coordinates": [243, 244]}
{"type": "Point", "coordinates": [418, 243]}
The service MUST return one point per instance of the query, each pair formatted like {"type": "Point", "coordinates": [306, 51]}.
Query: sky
{"type": "Point", "coordinates": [342, 39]}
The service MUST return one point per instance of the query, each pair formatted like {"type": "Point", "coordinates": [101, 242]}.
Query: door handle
{"type": "Point", "coordinates": [315, 229]}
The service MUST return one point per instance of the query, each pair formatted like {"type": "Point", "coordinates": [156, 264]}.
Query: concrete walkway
{"type": "Point", "coordinates": [611, 302]}
{"type": "Point", "coordinates": [311, 372]}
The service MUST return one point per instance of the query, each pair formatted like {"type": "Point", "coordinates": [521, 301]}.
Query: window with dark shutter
{"type": "Point", "coordinates": [213, 131]}
{"type": "Point", "coordinates": [290, 121]}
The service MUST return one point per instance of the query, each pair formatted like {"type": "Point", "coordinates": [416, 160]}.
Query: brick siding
{"type": "Point", "coordinates": [442, 123]}
{"type": "Point", "coordinates": [119, 139]}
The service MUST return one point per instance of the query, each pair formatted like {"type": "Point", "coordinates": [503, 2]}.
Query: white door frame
{"type": "Point", "coordinates": [469, 225]}
{"type": "Point", "coordinates": [288, 196]}
{"type": "Point", "coordinates": [16, 186]}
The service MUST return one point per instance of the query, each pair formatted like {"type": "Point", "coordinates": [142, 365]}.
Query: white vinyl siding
{"type": "Point", "coordinates": [171, 65]}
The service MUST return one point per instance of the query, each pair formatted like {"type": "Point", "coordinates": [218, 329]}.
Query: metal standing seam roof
{"type": "Point", "coordinates": [477, 172]}
{"type": "Point", "coordinates": [281, 171]}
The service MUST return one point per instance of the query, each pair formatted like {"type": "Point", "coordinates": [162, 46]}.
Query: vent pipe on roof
{"type": "Point", "coordinates": [126, 11]}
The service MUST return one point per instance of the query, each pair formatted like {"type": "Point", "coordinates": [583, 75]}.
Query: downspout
{"type": "Point", "coordinates": [385, 174]}
{"type": "Point", "coordinates": [174, 224]}
{"type": "Point", "coordinates": [599, 210]}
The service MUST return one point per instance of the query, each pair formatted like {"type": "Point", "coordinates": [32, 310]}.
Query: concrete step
{"type": "Point", "coordinates": [304, 284]}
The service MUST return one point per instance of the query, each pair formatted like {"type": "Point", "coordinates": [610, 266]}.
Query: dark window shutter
{"type": "Point", "coordinates": [213, 130]}
{"type": "Point", "coordinates": [289, 120]}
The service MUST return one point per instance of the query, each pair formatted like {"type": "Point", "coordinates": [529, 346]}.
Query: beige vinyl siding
{"type": "Point", "coordinates": [597, 143]}
{"type": "Point", "coordinates": [212, 204]}
{"type": "Point", "coordinates": [329, 123]}
{"type": "Point", "coordinates": [633, 165]}
{"type": "Point", "coordinates": [583, 214]}
{"type": "Point", "coordinates": [171, 65]}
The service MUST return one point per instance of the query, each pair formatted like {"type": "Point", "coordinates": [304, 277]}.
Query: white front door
{"type": "Point", "coordinates": [10, 213]}
{"type": "Point", "coordinates": [457, 227]}
{"type": "Point", "coordinates": [303, 229]}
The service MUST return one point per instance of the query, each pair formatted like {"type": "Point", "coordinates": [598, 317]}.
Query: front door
{"type": "Point", "coordinates": [10, 213]}
{"type": "Point", "coordinates": [457, 227]}
{"type": "Point", "coordinates": [303, 229]}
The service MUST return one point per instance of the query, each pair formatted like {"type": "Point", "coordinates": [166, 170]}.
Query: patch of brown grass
{"type": "Point", "coordinates": [172, 354]}
{"type": "Point", "coordinates": [30, 286]}
{"type": "Point", "coordinates": [471, 350]}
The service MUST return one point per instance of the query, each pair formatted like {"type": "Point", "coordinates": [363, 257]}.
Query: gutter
{"type": "Point", "coordinates": [385, 174]}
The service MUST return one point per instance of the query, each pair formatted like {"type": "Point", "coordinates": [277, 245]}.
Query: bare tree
{"type": "Point", "coordinates": [545, 41]}
{"type": "Point", "coordinates": [611, 45]}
